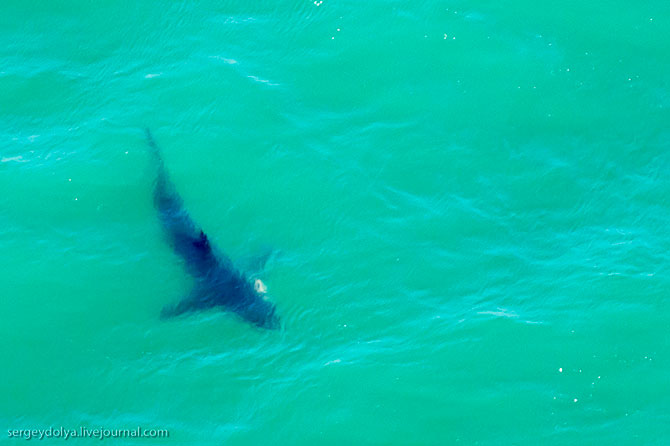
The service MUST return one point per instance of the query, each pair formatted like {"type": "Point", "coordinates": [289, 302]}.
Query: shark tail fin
{"type": "Point", "coordinates": [150, 138]}
{"type": "Point", "coordinates": [155, 150]}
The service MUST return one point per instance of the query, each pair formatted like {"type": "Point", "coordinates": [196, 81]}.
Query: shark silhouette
{"type": "Point", "coordinates": [218, 283]}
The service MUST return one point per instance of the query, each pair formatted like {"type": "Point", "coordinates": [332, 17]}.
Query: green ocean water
{"type": "Point", "coordinates": [468, 201]}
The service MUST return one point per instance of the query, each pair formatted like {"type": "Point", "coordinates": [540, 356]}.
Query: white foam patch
{"type": "Point", "coordinates": [224, 59]}
{"type": "Point", "coordinates": [16, 159]}
{"type": "Point", "coordinates": [501, 312]}
{"type": "Point", "coordinates": [262, 81]}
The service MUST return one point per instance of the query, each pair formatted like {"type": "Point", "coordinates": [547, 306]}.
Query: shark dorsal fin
{"type": "Point", "coordinates": [202, 242]}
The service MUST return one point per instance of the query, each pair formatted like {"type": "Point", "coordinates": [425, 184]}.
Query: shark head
{"type": "Point", "coordinates": [256, 308]}
{"type": "Point", "coordinates": [260, 312]}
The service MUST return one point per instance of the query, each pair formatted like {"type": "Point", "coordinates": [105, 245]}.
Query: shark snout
{"type": "Point", "coordinates": [272, 322]}
{"type": "Point", "coordinates": [262, 314]}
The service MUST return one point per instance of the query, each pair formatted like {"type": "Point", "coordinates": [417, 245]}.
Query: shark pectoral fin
{"type": "Point", "coordinates": [195, 300]}
{"type": "Point", "coordinates": [255, 264]}
{"type": "Point", "coordinates": [170, 311]}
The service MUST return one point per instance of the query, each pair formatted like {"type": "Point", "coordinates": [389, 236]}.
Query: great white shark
{"type": "Point", "coordinates": [218, 283]}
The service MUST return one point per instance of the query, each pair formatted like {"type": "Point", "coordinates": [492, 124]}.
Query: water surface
{"type": "Point", "coordinates": [469, 200]}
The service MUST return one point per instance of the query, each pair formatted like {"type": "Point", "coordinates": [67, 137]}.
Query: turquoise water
{"type": "Point", "coordinates": [469, 201]}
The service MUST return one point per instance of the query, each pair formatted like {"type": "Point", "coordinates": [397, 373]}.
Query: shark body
{"type": "Point", "coordinates": [218, 283]}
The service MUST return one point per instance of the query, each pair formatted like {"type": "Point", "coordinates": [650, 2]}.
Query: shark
{"type": "Point", "coordinates": [218, 283]}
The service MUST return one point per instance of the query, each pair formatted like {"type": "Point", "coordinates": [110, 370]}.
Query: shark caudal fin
{"type": "Point", "coordinates": [155, 150]}
{"type": "Point", "coordinates": [165, 196]}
